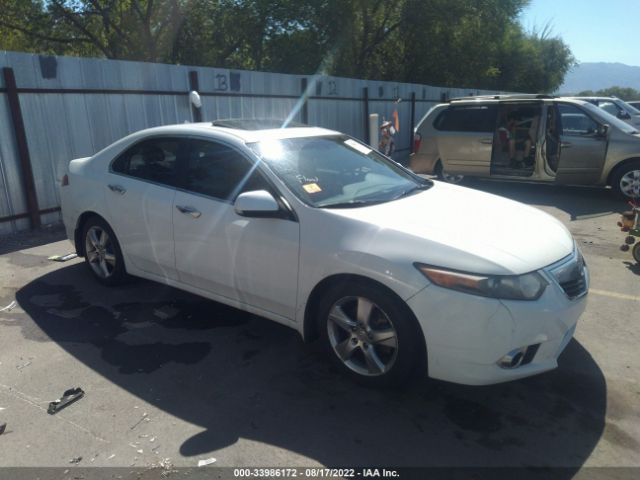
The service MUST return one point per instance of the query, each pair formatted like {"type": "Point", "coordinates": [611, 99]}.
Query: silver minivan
{"type": "Point", "coordinates": [528, 137]}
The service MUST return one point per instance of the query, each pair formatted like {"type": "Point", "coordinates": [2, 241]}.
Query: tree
{"type": "Point", "coordinates": [462, 43]}
{"type": "Point", "coordinates": [623, 93]}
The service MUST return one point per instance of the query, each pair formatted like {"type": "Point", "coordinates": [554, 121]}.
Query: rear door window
{"type": "Point", "coordinates": [467, 118]}
{"type": "Point", "coordinates": [153, 160]}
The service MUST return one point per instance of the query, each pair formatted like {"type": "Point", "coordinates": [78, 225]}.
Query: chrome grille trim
{"type": "Point", "coordinates": [571, 275]}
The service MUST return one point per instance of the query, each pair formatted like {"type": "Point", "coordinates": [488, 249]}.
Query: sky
{"type": "Point", "coordinates": [595, 30]}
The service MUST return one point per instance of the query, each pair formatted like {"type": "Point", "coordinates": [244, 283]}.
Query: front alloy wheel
{"type": "Point", "coordinates": [630, 184]}
{"type": "Point", "coordinates": [378, 343]}
{"type": "Point", "coordinates": [362, 336]}
{"type": "Point", "coordinates": [625, 180]}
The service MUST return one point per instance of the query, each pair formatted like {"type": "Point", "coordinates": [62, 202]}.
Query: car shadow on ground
{"type": "Point", "coordinates": [576, 201]}
{"type": "Point", "coordinates": [240, 376]}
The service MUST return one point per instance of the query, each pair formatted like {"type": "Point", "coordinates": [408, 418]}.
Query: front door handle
{"type": "Point", "coordinates": [487, 141]}
{"type": "Point", "coordinates": [117, 189]}
{"type": "Point", "coordinates": [188, 211]}
{"type": "Point", "coordinates": [565, 144]}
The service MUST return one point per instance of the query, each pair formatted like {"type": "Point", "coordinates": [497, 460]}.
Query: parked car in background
{"type": "Point", "coordinates": [616, 107]}
{"type": "Point", "coordinates": [528, 137]}
{"type": "Point", "coordinates": [635, 104]}
{"type": "Point", "coordinates": [315, 230]}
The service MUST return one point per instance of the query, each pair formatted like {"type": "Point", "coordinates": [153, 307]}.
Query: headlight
{"type": "Point", "coordinates": [510, 287]}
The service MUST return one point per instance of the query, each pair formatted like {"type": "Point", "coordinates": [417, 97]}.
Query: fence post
{"type": "Point", "coordinates": [305, 107]}
{"type": "Point", "coordinates": [365, 99]}
{"type": "Point", "coordinates": [413, 121]}
{"type": "Point", "coordinates": [194, 85]}
{"type": "Point", "coordinates": [28, 182]}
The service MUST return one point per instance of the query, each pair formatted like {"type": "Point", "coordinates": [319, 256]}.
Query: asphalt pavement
{"type": "Point", "coordinates": [171, 378]}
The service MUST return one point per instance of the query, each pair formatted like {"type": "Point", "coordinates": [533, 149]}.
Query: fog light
{"type": "Point", "coordinates": [512, 359]}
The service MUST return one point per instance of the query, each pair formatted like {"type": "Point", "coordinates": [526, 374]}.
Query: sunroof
{"type": "Point", "coordinates": [255, 123]}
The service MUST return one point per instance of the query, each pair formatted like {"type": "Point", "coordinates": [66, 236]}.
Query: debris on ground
{"type": "Point", "coordinates": [165, 312]}
{"type": "Point", "coordinates": [63, 258]}
{"type": "Point", "coordinates": [75, 460]}
{"type": "Point", "coordinates": [9, 307]}
{"type": "Point", "coordinates": [68, 397]}
{"type": "Point", "coordinates": [3, 427]}
{"type": "Point", "coordinates": [20, 367]}
{"type": "Point", "coordinates": [111, 456]}
{"type": "Point", "coordinates": [144, 417]}
{"type": "Point", "coordinates": [206, 461]}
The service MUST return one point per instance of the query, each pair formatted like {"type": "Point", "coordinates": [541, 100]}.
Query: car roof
{"type": "Point", "coordinates": [243, 134]}
{"type": "Point", "coordinates": [596, 98]}
{"type": "Point", "coordinates": [495, 99]}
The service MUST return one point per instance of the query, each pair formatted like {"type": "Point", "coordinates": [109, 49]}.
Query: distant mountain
{"type": "Point", "coordinates": [598, 75]}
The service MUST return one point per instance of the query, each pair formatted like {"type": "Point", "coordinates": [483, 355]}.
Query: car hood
{"type": "Point", "coordinates": [463, 229]}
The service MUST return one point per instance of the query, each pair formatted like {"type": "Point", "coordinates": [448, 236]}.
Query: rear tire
{"type": "Point", "coordinates": [371, 335]}
{"type": "Point", "coordinates": [455, 179]}
{"type": "Point", "coordinates": [625, 180]}
{"type": "Point", "coordinates": [102, 253]}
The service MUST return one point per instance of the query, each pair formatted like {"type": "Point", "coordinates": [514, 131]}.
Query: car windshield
{"type": "Point", "coordinates": [630, 109]}
{"type": "Point", "coordinates": [337, 171]}
{"type": "Point", "coordinates": [606, 117]}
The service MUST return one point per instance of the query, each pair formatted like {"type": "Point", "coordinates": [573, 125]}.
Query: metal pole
{"type": "Point", "coordinates": [413, 120]}
{"type": "Point", "coordinates": [28, 182]}
{"type": "Point", "coordinates": [365, 99]}
{"type": "Point", "coordinates": [305, 106]}
{"type": "Point", "coordinates": [373, 129]}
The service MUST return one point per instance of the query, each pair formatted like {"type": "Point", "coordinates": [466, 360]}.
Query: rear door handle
{"type": "Point", "coordinates": [487, 141]}
{"type": "Point", "coordinates": [117, 189]}
{"type": "Point", "coordinates": [565, 144]}
{"type": "Point", "coordinates": [188, 211]}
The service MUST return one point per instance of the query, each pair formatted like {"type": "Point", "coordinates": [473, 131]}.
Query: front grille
{"type": "Point", "coordinates": [574, 288]}
{"type": "Point", "coordinates": [571, 275]}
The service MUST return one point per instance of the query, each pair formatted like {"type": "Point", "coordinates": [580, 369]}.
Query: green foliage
{"type": "Point", "coordinates": [623, 93]}
{"type": "Point", "coordinates": [461, 43]}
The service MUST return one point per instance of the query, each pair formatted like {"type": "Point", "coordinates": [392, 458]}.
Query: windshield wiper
{"type": "Point", "coordinates": [352, 204]}
{"type": "Point", "coordinates": [414, 189]}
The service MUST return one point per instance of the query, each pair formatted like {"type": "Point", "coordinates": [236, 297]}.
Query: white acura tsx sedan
{"type": "Point", "coordinates": [315, 230]}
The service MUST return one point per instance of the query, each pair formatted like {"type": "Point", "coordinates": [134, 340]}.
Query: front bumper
{"type": "Point", "coordinates": [466, 335]}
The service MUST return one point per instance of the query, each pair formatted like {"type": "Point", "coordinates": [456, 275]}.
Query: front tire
{"type": "Point", "coordinates": [370, 334]}
{"type": "Point", "coordinates": [102, 252]}
{"type": "Point", "coordinates": [625, 180]}
{"type": "Point", "coordinates": [636, 252]}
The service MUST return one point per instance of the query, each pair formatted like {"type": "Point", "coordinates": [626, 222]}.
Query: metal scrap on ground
{"type": "Point", "coordinates": [206, 461]}
{"type": "Point", "coordinates": [68, 397]}
{"type": "Point", "coordinates": [9, 307]}
{"type": "Point", "coordinates": [63, 258]}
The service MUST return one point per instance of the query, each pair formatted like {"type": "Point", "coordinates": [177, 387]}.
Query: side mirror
{"type": "Point", "coordinates": [602, 130]}
{"type": "Point", "coordinates": [258, 203]}
{"type": "Point", "coordinates": [624, 115]}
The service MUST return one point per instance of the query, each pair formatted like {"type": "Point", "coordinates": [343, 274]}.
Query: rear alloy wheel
{"type": "Point", "coordinates": [377, 342]}
{"type": "Point", "coordinates": [456, 179]}
{"type": "Point", "coordinates": [102, 252]}
{"type": "Point", "coordinates": [626, 180]}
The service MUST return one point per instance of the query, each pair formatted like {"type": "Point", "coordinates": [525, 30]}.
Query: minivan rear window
{"type": "Point", "coordinates": [471, 118]}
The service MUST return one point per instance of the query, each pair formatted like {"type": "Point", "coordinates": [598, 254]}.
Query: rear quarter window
{"type": "Point", "coordinates": [473, 118]}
